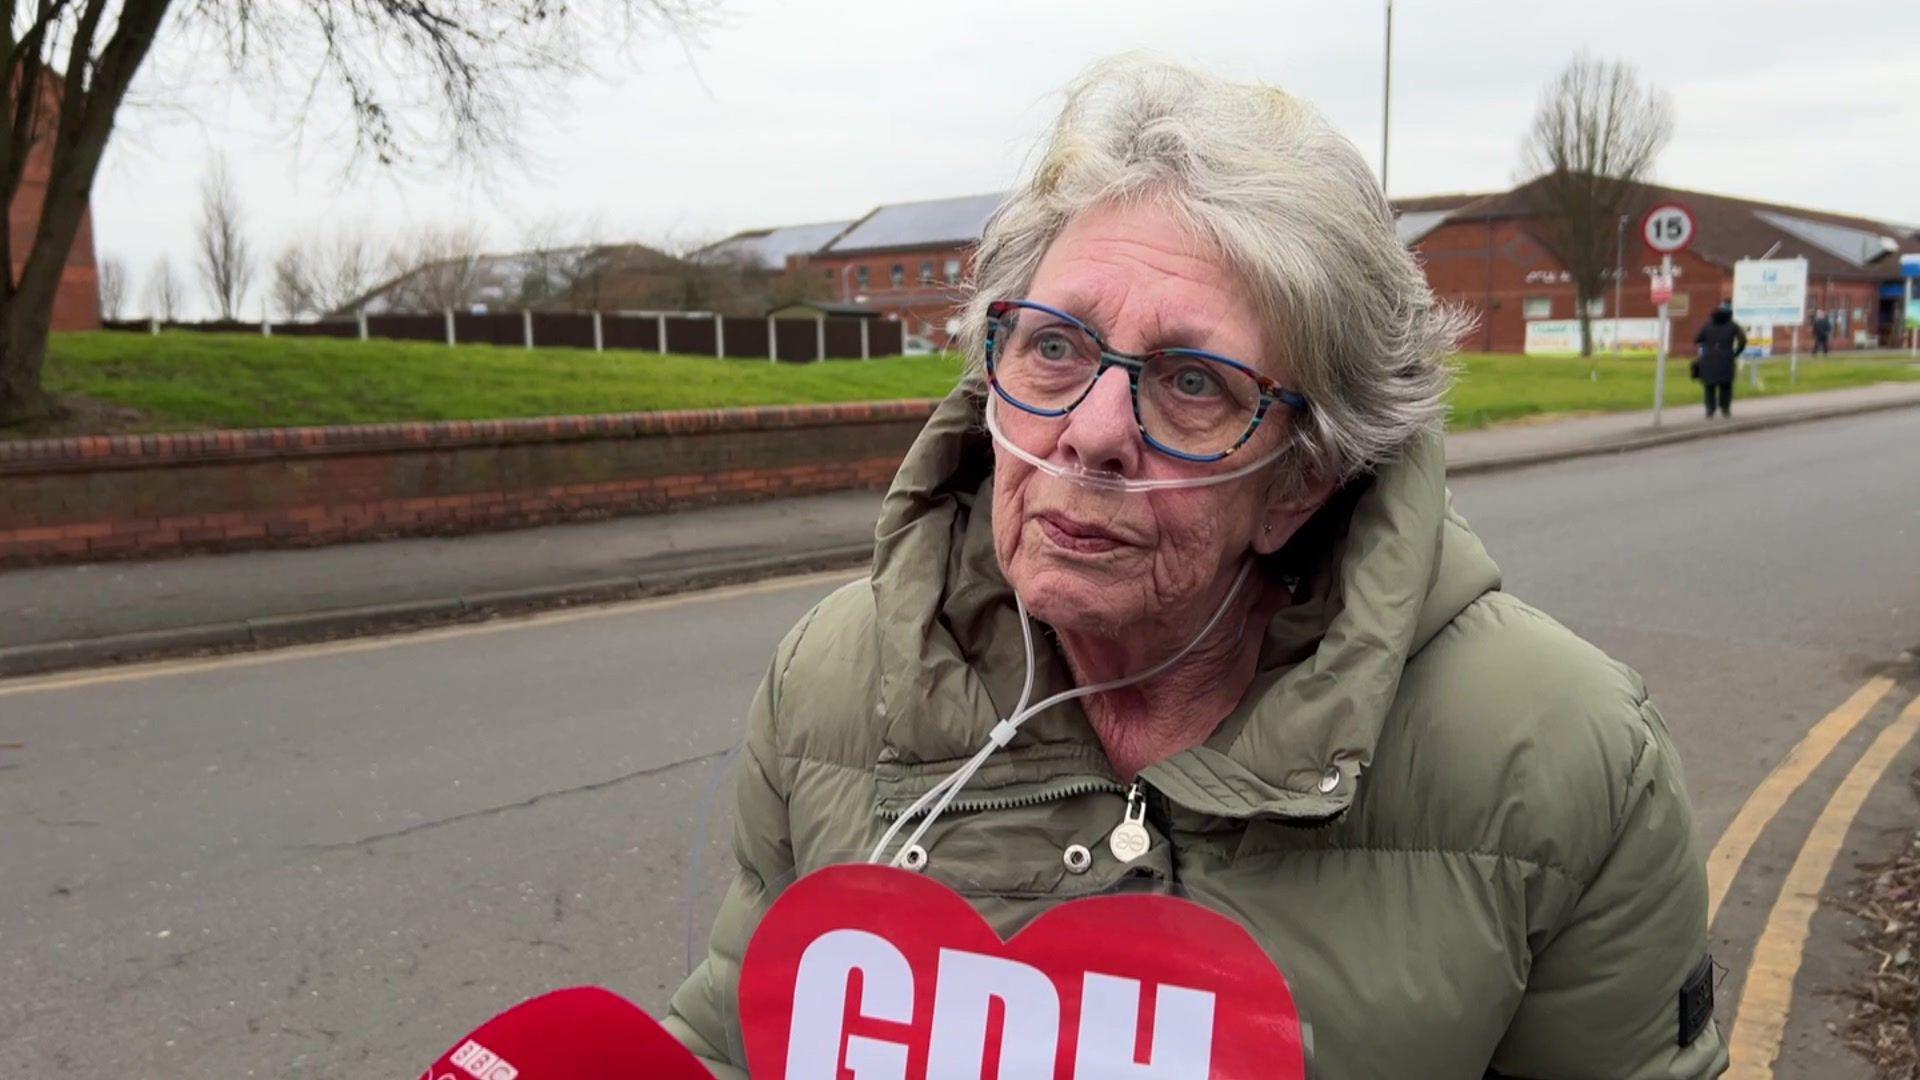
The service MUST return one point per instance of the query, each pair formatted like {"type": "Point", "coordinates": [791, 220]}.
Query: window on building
{"type": "Point", "coordinates": [1596, 307]}
{"type": "Point", "coordinates": [953, 271]}
{"type": "Point", "coordinates": [899, 275]}
{"type": "Point", "coordinates": [860, 276]}
{"type": "Point", "coordinates": [926, 272]}
{"type": "Point", "coordinates": [1537, 307]}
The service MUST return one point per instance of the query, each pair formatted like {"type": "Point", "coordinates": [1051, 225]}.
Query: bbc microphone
{"type": "Point", "coordinates": [582, 1033]}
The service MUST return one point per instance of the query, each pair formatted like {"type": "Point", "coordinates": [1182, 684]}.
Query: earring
{"type": "Point", "coordinates": [1268, 529]}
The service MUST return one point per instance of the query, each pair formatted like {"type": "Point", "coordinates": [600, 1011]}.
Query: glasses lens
{"type": "Point", "coordinates": [1041, 360]}
{"type": "Point", "coordinates": [1195, 405]}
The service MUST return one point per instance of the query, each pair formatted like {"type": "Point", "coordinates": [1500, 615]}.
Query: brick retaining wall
{"type": "Point", "coordinates": [141, 495]}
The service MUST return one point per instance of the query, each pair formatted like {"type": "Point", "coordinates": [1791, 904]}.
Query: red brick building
{"type": "Point", "coordinates": [907, 260]}
{"type": "Point", "coordinates": [1483, 252]}
{"type": "Point", "coordinates": [76, 304]}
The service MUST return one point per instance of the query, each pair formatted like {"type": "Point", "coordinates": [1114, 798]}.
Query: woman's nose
{"type": "Point", "coordinates": [1102, 435]}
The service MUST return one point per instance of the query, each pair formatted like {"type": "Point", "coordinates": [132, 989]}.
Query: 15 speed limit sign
{"type": "Point", "coordinates": [1668, 228]}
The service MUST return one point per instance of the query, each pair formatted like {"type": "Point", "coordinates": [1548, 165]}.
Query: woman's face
{"type": "Point", "coordinates": [1102, 562]}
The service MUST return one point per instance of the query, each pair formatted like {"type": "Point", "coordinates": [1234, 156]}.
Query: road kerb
{"type": "Point", "coordinates": [1647, 439]}
{"type": "Point", "coordinates": [1767, 996]}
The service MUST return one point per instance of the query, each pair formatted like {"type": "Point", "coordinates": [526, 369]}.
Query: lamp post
{"type": "Point", "coordinates": [1386, 99]}
{"type": "Point", "coordinates": [1619, 276]}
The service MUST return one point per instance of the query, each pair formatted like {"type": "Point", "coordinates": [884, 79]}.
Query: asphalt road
{"type": "Point", "coordinates": [331, 862]}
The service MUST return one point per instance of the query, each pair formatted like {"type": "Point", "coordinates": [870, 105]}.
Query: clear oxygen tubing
{"type": "Point", "coordinates": [1003, 731]}
{"type": "Point", "coordinates": [1110, 481]}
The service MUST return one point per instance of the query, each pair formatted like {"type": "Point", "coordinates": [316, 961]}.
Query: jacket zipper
{"type": "Point", "coordinates": [963, 805]}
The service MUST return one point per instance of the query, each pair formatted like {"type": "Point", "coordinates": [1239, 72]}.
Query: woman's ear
{"type": "Point", "coordinates": [1285, 514]}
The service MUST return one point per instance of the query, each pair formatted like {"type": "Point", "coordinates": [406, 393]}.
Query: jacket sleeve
{"type": "Point", "coordinates": [1739, 341]}
{"type": "Point", "coordinates": [1603, 996]}
{"type": "Point", "coordinates": [704, 1014]}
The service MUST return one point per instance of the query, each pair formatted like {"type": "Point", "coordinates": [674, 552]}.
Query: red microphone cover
{"type": "Point", "coordinates": [582, 1033]}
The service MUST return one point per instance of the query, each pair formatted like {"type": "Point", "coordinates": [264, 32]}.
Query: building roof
{"type": "Point", "coordinates": [769, 249]}
{"type": "Point", "coordinates": [928, 223]}
{"type": "Point", "coordinates": [1730, 228]}
{"type": "Point", "coordinates": [831, 308]}
{"type": "Point", "coordinates": [1416, 217]}
{"type": "Point", "coordinates": [500, 282]}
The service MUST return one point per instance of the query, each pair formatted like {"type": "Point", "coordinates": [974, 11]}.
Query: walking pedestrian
{"type": "Point", "coordinates": [1822, 332]}
{"type": "Point", "coordinates": [1721, 342]}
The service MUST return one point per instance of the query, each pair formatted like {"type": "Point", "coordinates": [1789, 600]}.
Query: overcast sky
{"type": "Point", "coordinates": [808, 110]}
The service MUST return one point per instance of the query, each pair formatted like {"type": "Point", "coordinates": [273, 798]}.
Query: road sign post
{"type": "Point", "coordinates": [1910, 315]}
{"type": "Point", "coordinates": [1667, 228]}
{"type": "Point", "coordinates": [1660, 363]}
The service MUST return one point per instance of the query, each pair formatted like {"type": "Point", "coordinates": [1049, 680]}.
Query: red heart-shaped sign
{"type": "Point", "coordinates": [883, 974]}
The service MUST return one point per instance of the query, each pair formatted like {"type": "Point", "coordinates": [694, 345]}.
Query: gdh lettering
{"type": "Point", "coordinates": [1102, 1014]}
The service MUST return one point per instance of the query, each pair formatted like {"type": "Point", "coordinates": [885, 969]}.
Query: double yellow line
{"type": "Point", "coordinates": [1767, 995]}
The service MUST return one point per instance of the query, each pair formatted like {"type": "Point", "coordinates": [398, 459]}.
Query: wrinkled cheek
{"type": "Point", "coordinates": [1010, 479]}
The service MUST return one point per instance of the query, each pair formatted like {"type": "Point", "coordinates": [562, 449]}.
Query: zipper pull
{"type": "Point", "coordinates": [1129, 839]}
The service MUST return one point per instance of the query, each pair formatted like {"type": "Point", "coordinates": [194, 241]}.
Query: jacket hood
{"type": "Point", "coordinates": [1383, 568]}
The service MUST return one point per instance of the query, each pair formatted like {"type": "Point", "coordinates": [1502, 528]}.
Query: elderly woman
{"type": "Point", "coordinates": [1199, 460]}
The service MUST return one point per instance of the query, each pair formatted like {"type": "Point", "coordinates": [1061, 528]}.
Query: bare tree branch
{"type": "Point", "coordinates": [1595, 137]}
{"type": "Point", "coordinates": [226, 259]}
{"type": "Point", "coordinates": [436, 268]}
{"type": "Point", "coordinates": [320, 276]}
{"type": "Point", "coordinates": [164, 291]}
{"type": "Point", "coordinates": [113, 288]}
{"type": "Point", "coordinates": [416, 77]}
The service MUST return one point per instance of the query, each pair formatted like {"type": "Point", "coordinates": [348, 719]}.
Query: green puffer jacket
{"type": "Point", "coordinates": [1461, 831]}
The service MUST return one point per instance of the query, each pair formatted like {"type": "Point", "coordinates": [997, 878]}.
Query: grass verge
{"type": "Point", "coordinates": [120, 382]}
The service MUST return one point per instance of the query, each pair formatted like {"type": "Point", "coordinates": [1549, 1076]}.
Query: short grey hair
{"type": "Point", "coordinates": [1290, 204]}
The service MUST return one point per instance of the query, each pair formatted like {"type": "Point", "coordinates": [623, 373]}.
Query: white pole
{"type": "Point", "coordinates": [1386, 100]}
{"type": "Point", "coordinates": [1660, 365]}
{"type": "Point", "coordinates": [866, 350]}
{"type": "Point", "coordinates": [660, 324]}
{"type": "Point", "coordinates": [361, 318]}
{"type": "Point", "coordinates": [1793, 363]}
{"type": "Point", "coordinates": [153, 326]}
{"type": "Point", "coordinates": [720, 336]}
{"type": "Point", "coordinates": [1619, 276]}
{"type": "Point", "coordinates": [526, 327]}
{"type": "Point", "coordinates": [1907, 314]}
{"type": "Point", "coordinates": [599, 335]}
{"type": "Point", "coordinates": [449, 314]}
{"type": "Point", "coordinates": [820, 338]}
{"type": "Point", "coordinates": [773, 342]}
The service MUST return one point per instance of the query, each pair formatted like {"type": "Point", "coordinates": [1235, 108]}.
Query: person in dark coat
{"type": "Point", "coordinates": [1822, 331]}
{"type": "Point", "coordinates": [1721, 342]}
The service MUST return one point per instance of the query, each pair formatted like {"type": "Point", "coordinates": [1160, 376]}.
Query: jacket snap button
{"type": "Point", "coordinates": [1329, 780]}
{"type": "Point", "coordinates": [916, 859]}
{"type": "Point", "coordinates": [1077, 858]}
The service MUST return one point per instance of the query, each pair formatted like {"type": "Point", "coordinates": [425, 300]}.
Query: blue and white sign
{"type": "Point", "coordinates": [1770, 291]}
{"type": "Point", "coordinates": [1910, 266]}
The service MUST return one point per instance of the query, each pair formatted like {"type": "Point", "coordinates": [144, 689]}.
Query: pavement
{"type": "Point", "coordinates": [93, 613]}
{"type": "Point", "coordinates": [329, 862]}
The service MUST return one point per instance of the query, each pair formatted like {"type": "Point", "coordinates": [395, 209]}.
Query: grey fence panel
{"type": "Point", "coordinates": [631, 332]}
{"type": "Point", "coordinates": [331, 328]}
{"type": "Point", "coordinates": [564, 330]}
{"type": "Point", "coordinates": [843, 338]}
{"type": "Point", "coordinates": [489, 329]}
{"type": "Point", "coordinates": [408, 327]}
{"type": "Point", "coordinates": [799, 339]}
{"type": "Point", "coordinates": [887, 337]}
{"type": "Point", "coordinates": [746, 338]}
{"type": "Point", "coordinates": [693, 337]}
